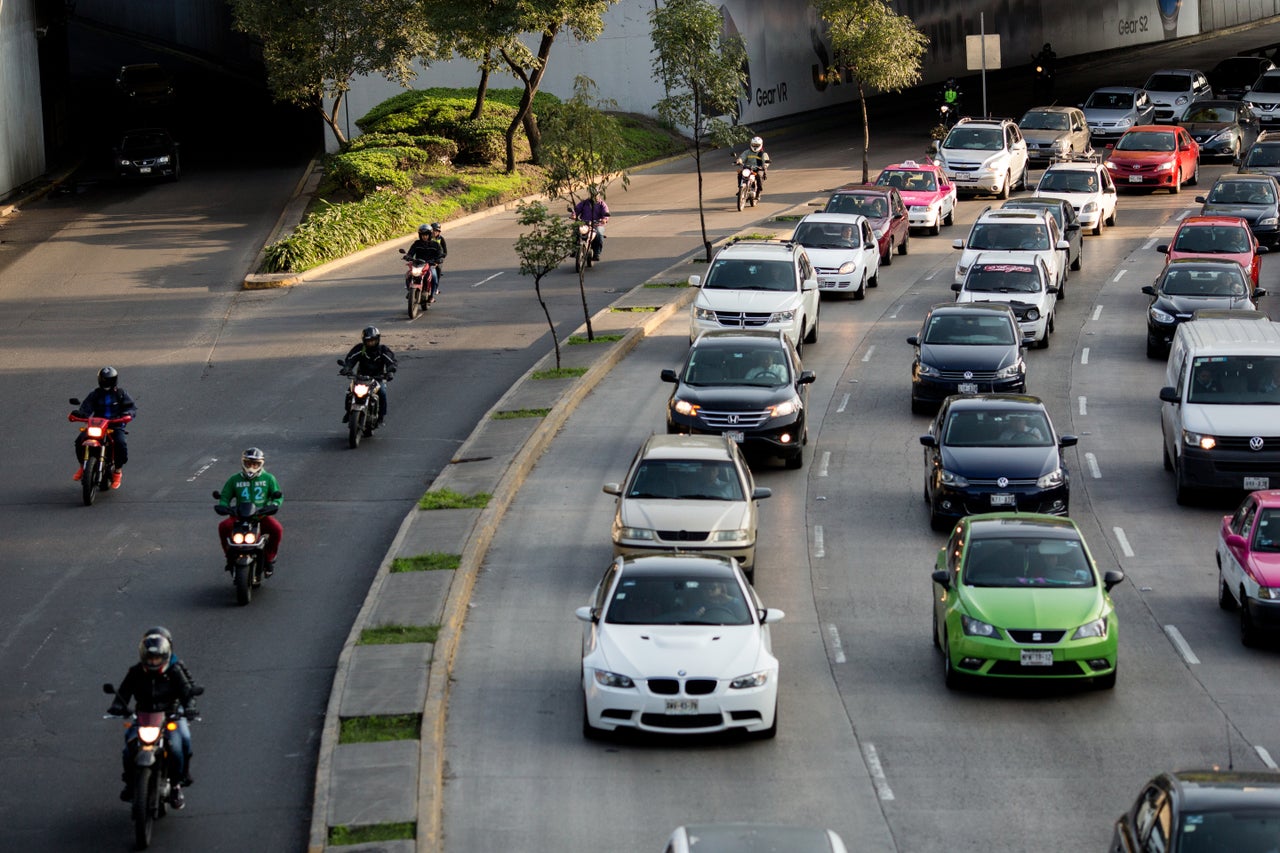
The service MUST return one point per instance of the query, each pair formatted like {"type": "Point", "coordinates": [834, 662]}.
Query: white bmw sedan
{"type": "Point", "coordinates": [678, 644]}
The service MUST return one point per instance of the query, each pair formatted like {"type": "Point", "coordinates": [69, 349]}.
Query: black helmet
{"type": "Point", "coordinates": [155, 652]}
{"type": "Point", "coordinates": [435, 226]}
{"type": "Point", "coordinates": [424, 230]}
{"type": "Point", "coordinates": [159, 631]}
{"type": "Point", "coordinates": [371, 336]}
{"type": "Point", "coordinates": [108, 377]}
{"type": "Point", "coordinates": [252, 462]}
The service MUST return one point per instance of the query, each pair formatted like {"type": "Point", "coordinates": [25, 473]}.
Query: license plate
{"type": "Point", "coordinates": [144, 169]}
{"type": "Point", "coordinates": [967, 388]}
{"type": "Point", "coordinates": [1037, 658]}
{"type": "Point", "coordinates": [1254, 483]}
{"type": "Point", "coordinates": [1135, 179]}
{"type": "Point", "coordinates": [735, 435]}
{"type": "Point", "coordinates": [1004, 500]}
{"type": "Point", "coordinates": [826, 282]}
{"type": "Point", "coordinates": [682, 706]}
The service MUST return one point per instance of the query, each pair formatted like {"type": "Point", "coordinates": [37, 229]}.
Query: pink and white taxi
{"type": "Point", "coordinates": [926, 190]}
{"type": "Point", "coordinates": [1249, 564]}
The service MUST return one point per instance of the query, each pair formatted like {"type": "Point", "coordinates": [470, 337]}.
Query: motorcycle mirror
{"type": "Point", "coordinates": [75, 401]}
{"type": "Point", "coordinates": [276, 495]}
{"type": "Point", "coordinates": [197, 691]}
{"type": "Point", "coordinates": [217, 495]}
{"type": "Point", "coordinates": [340, 361]}
{"type": "Point", "coordinates": [108, 688]}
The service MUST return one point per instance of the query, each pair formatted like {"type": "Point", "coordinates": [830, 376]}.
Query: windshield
{"type": "Point", "coordinates": [1210, 114]}
{"type": "Point", "coordinates": [1267, 83]}
{"type": "Point", "coordinates": [765, 367]}
{"type": "Point", "coordinates": [1110, 101]}
{"type": "Point", "coordinates": [1246, 830]}
{"type": "Point", "coordinates": [1212, 240]}
{"type": "Point", "coordinates": [1068, 181]}
{"type": "Point", "coordinates": [827, 235]}
{"type": "Point", "coordinates": [997, 429]}
{"type": "Point", "coordinates": [1263, 155]}
{"type": "Point", "coordinates": [962, 330]}
{"type": "Point", "coordinates": [1044, 120]}
{"type": "Point", "coordinates": [874, 206]}
{"type": "Point", "coordinates": [1266, 537]}
{"type": "Point", "coordinates": [1168, 83]}
{"type": "Point", "coordinates": [1009, 236]}
{"type": "Point", "coordinates": [975, 139]}
{"type": "Point", "coordinates": [908, 181]}
{"type": "Point", "coordinates": [1147, 140]}
{"type": "Point", "coordinates": [145, 140]}
{"type": "Point", "coordinates": [1002, 278]}
{"type": "Point", "coordinates": [740, 274]}
{"type": "Point", "coordinates": [1216, 282]}
{"type": "Point", "coordinates": [686, 480]}
{"type": "Point", "coordinates": [1018, 562]}
{"type": "Point", "coordinates": [1237, 380]}
{"type": "Point", "coordinates": [677, 600]}
{"type": "Point", "coordinates": [1242, 192]}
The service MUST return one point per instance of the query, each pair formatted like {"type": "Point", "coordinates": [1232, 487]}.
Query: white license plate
{"type": "Point", "coordinates": [1254, 483]}
{"type": "Point", "coordinates": [1135, 179]}
{"type": "Point", "coordinates": [826, 282]}
{"type": "Point", "coordinates": [967, 388]}
{"type": "Point", "coordinates": [682, 706]}
{"type": "Point", "coordinates": [963, 179]}
{"type": "Point", "coordinates": [735, 435]}
{"type": "Point", "coordinates": [1004, 500]}
{"type": "Point", "coordinates": [144, 169]}
{"type": "Point", "coordinates": [1037, 658]}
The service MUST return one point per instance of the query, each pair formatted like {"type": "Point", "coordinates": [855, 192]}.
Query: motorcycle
{"type": "Point", "coordinates": [149, 757]}
{"type": "Point", "coordinates": [947, 115]}
{"type": "Point", "coordinates": [748, 184]}
{"type": "Point", "coordinates": [584, 251]}
{"type": "Point", "coordinates": [1042, 86]}
{"type": "Point", "coordinates": [364, 413]}
{"type": "Point", "coordinates": [246, 546]}
{"type": "Point", "coordinates": [98, 452]}
{"type": "Point", "coordinates": [417, 283]}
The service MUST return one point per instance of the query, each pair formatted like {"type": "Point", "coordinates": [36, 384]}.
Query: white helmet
{"type": "Point", "coordinates": [252, 462]}
{"type": "Point", "coordinates": [757, 143]}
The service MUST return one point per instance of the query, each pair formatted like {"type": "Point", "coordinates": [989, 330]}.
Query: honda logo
{"type": "Point", "coordinates": [733, 419]}
{"type": "Point", "coordinates": [1255, 443]}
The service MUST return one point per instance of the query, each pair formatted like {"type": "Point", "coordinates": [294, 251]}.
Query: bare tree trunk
{"type": "Point", "coordinates": [702, 217]}
{"type": "Point", "coordinates": [866, 134]}
{"type": "Point", "coordinates": [582, 289]}
{"type": "Point", "coordinates": [531, 82]}
{"type": "Point", "coordinates": [537, 288]}
{"type": "Point", "coordinates": [331, 117]}
{"type": "Point", "coordinates": [481, 90]}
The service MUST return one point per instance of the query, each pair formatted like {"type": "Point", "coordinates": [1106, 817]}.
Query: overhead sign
{"type": "Point", "coordinates": [973, 46]}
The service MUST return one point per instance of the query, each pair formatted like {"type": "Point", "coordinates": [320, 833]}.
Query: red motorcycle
{"type": "Point", "coordinates": [97, 452]}
{"type": "Point", "coordinates": [417, 283]}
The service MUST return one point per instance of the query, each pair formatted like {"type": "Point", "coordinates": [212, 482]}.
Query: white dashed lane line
{"type": "Point", "coordinates": [490, 278]}
{"type": "Point", "coordinates": [1084, 355]}
{"type": "Point", "coordinates": [870, 351]}
{"type": "Point", "coordinates": [1180, 643]}
{"type": "Point", "coordinates": [837, 650]}
{"type": "Point", "coordinates": [1266, 757]}
{"type": "Point", "coordinates": [844, 401]}
{"type": "Point", "coordinates": [1150, 244]}
{"type": "Point", "coordinates": [1084, 406]}
{"type": "Point", "coordinates": [877, 772]}
{"type": "Point", "coordinates": [1097, 312]}
{"type": "Point", "coordinates": [823, 463]}
{"type": "Point", "coordinates": [1122, 540]}
{"type": "Point", "coordinates": [819, 546]}
{"type": "Point", "coordinates": [1092, 462]}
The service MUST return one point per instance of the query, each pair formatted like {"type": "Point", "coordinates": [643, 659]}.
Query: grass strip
{"type": "Point", "coordinates": [559, 373]}
{"type": "Point", "coordinates": [575, 340]}
{"type": "Point", "coordinates": [520, 413]}
{"type": "Point", "coordinates": [449, 499]}
{"type": "Point", "coordinates": [683, 282]}
{"type": "Point", "coordinates": [385, 635]}
{"type": "Point", "coordinates": [634, 309]}
{"type": "Point", "coordinates": [340, 836]}
{"type": "Point", "coordinates": [433, 562]}
{"type": "Point", "coordinates": [379, 729]}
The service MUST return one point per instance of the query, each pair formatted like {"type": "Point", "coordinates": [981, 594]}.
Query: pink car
{"type": "Point", "coordinates": [1249, 564]}
{"type": "Point", "coordinates": [929, 196]}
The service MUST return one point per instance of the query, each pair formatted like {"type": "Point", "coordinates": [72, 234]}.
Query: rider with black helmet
{"type": "Point", "coordinates": [430, 246]}
{"type": "Point", "coordinates": [108, 400]}
{"type": "Point", "coordinates": [371, 358]}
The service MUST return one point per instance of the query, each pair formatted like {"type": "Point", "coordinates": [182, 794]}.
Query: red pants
{"type": "Point", "coordinates": [270, 527]}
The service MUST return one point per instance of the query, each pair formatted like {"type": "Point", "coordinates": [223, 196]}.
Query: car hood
{"type": "Point", "coordinates": [1041, 137]}
{"type": "Point", "coordinates": [1224, 419]}
{"type": "Point", "coordinates": [1076, 200]}
{"type": "Point", "coordinates": [832, 258]}
{"type": "Point", "coordinates": [1037, 300]}
{"type": "Point", "coordinates": [661, 514]}
{"type": "Point", "coordinates": [1137, 157]}
{"type": "Point", "coordinates": [754, 301]}
{"type": "Point", "coordinates": [978, 358]}
{"type": "Point", "coordinates": [1029, 608]}
{"type": "Point", "coordinates": [1206, 128]}
{"type": "Point", "coordinates": [1190, 304]}
{"type": "Point", "coordinates": [921, 198]}
{"type": "Point", "coordinates": [735, 398]}
{"type": "Point", "coordinates": [1244, 259]}
{"type": "Point", "coordinates": [1265, 567]}
{"type": "Point", "coordinates": [989, 463]}
{"type": "Point", "coordinates": [136, 152]}
{"type": "Point", "coordinates": [1251, 212]}
{"type": "Point", "coordinates": [1103, 114]}
{"type": "Point", "coordinates": [661, 651]}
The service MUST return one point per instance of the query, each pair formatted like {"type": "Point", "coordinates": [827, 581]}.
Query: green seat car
{"type": "Point", "coordinates": [1018, 595]}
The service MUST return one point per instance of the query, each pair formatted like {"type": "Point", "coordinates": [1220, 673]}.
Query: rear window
{"type": "Point", "coordinates": [873, 206]}
{"type": "Point", "coordinates": [1009, 236]}
{"type": "Point", "coordinates": [1110, 101]}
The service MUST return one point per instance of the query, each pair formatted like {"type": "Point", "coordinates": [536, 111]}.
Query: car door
{"type": "Point", "coordinates": [1250, 126]}
{"type": "Point", "coordinates": [1108, 197]}
{"type": "Point", "coordinates": [1144, 110]}
{"type": "Point", "coordinates": [1188, 154]}
{"type": "Point", "coordinates": [870, 251]}
{"type": "Point", "coordinates": [1232, 560]}
{"type": "Point", "coordinates": [1079, 132]}
{"type": "Point", "coordinates": [1057, 260]}
{"type": "Point", "coordinates": [1017, 151]}
{"type": "Point", "coordinates": [1202, 88]}
{"type": "Point", "coordinates": [809, 294]}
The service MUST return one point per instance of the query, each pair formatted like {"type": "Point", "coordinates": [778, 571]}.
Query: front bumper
{"type": "Point", "coordinates": [791, 327]}
{"type": "Point", "coordinates": [745, 554]}
{"type": "Point", "coordinates": [1034, 330]}
{"type": "Point", "coordinates": [777, 436]}
{"type": "Point", "coordinates": [1003, 658]}
{"type": "Point", "coordinates": [955, 503]}
{"type": "Point", "coordinates": [1136, 180]}
{"type": "Point", "coordinates": [920, 216]}
{"type": "Point", "coordinates": [928, 389]}
{"type": "Point", "coordinates": [1227, 468]}
{"type": "Point", "coordinates": [977, 181]}
{"type": "Point", "coordinates": [640, 708]}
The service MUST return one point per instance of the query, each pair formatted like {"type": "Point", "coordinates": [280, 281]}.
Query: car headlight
{"type": "Point", "coordinates": [1089, 207]}
{"type": "Point", "coordinates": [1011, 371]}
{"type": "Point", "coordinates": [1180, 100]}
{"type": "Point", "coordinates": [977, 628]}
{"type": "Point", "coordinates": [847, 267]}
{"type": "Point", "coordinates": [1270, 593]}
{"type": "Point", "coordinates": [1163, 317]}
{"type": "Point", "coordinates": [1198, 439]}
{"type": "Point", "coordinates": [787, 407]}
{"type": "Point", "coordinates": [1164, 167]}
{"type": "Point", "coordinates": [951, 478]}
{"type": "Point", "coordinates": [1061, 145]}
{"type": "Point", "coordinates": [1221, 136]}
{"type": "Point", "coordinates": [741, 536]}
{"type": "Point", "coordinates": [755, 679]}
{"type": "Point", "coordinates": [1097, 628]}
{"type": "Point", "coordinates": [1268, 220]}
{"type": "Point", "coordinates": [124, 162]}
{"type": "Point", "coordinates": [636, 533]}
{"type": "Point", "coordinates": [1124, 124]}
{"type": "Point", "coordinates": [929, 370]}
{"type": "Point", "coordinates": [783, 316]}
{"type": "Point", "coordinates": [163, 159]}
{"type": "Point", "coordinates": [1033, 314]}
{"type": "Point", "coordinates": [612, 679]}
{"type": "Point", "coordinates": [961, 270]}
{"type": "Point", "coordinates": [704, 314]}
{"type": "Point", "coordinates": [1051, 480]}
{"type": "Point", "coordinates": [684, 407]}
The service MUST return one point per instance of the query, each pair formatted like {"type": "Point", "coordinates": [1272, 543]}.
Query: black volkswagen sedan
{"type": "Point", "coordinates": [1188, 285]}
{"type": "Point", "coordinates": [749, 386]}
{"type": "Point", "coordinates": [966, 348]}
{"type": "Point", "coordinates": [993, 453]}
{"type": "Point", "coordinates": [1190, 810]}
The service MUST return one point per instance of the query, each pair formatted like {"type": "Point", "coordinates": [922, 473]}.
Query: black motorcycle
{"type": "Point", "coordinates": [364, 406]}
{"type": "Point", "coordinates": [149, 763]}
{"type": "Point", "coordinates": [246, 546]}
{"type": "Point", "coordinates": [418, 292]}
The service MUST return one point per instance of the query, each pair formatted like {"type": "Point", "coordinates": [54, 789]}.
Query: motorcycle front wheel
{"type": "Point", "coordinates": [742, 196]}
{"type": "Point", "coordinates": [578, 259]}
{"type": "Point", "coordinates": [91, 479]}
{"type": "Point", "coordinates": [244, 583]}
{"type": "Point", "coordinates": [355, 429]}
{"type": "Point", "coordinates": [415, 304]}
{"type": "Point", "coordinates": [145, 800]}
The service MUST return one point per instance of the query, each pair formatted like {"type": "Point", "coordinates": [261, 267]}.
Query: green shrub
{"type": "Point", "coordinates": [481, 140]}
{"type": "Point", "coordinates": [364, 172]}
{"type": "Point", "coordinates": [334, 230]}
{"type": "Point", "coordinates": [437, 148]}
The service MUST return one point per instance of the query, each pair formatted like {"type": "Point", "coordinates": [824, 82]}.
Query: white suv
{"type": "Point", "coordinates": [758, 284]}
{"type": "Point", "coordinates": [1017, 230]}
{"type": "Point", "coordinates": [1022, 281]}
{"type": "Point", "coordinates": [984, 156]}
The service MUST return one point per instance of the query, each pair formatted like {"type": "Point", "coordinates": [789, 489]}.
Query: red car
{"type": "Point", "coordinates": [1249, 564]}
{"type": "Point", "coordinates": [1152, 156]}
{"type": "Point", "coordinates": [1218, 237]}
{"type": "Point", "coordinates": [883, 207]}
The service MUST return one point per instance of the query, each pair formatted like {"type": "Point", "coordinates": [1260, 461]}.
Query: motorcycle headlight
{"type": "Point", "coordinates": [740, 536]}
{"type": "Point", "coordinates": [686, 408]}
{"type": "Point", "coordinates": [636, 533]}
{"type": "Point", "coordinates": [94, 431]}
{"type": "Point", "coordinates": [746, 173]}
{"type": "Point", "coordinates": [361, 389]}
{"type": "Point", "coordinates": [148, 734]}
{"type": "Point", "coordinates": [704, 314]}
{"type": "Point", "coordinates": [583, 229]}
{"type": "Point", "coordinates": [250, 538]}
{"type": "Point", "coordinates": [755, 679]}
{"type": "Point", "coordinates": [1011, 371]}
{"type": "Point", "coordinates": [951, 478]}
{"type": "Point", "coordinates": [977, 628]}
{"type": "Point", "coordinates": [1096, 628]}
{"type": "Point", "coordinates": [1051, 480]}
{"type": "Point", "coordinates": [788, 407]}
{"type": "Point", "coordinates": [237, 538]}
{"type": "Point", "coordinates": [1198, 439]}
{"type": "Point", "coordinates": [1163, 317]}
{"type": "Point", "coordinates": [612, 679]}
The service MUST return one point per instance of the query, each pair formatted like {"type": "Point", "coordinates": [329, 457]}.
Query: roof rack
{"type": "Point", "coordinates": [1090, 156]}
{"type": "Point", "coordinates": [992, 119]}
{"type": "Point", "coordinates": [760, 241]}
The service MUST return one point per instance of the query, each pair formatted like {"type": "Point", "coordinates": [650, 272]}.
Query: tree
{"type": "Point", "coordinates": [583, 154]}
{"type": "Point", "coordinates": [313, 49]}
{"type": "Point", "coordinates": [544, 247]}
{"type": "Point", "coordinates": [876, 46]}
{"type": "Point", "coordinates": [701, 69]}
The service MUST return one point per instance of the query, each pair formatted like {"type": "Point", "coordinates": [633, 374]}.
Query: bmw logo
{"type": "Point", "coordinates": [682, 672]}
{"type": "Point", "coordinates": [1002, 482]}
{"type": "Point", "coordinates": [1255, 443]}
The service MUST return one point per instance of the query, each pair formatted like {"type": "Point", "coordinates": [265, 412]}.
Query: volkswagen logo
{"type": "Point", "coordinates": [968, 374]}
{"type": "Point", "coordinates": [733, 419]}
{"type": "Point", "coordinates": [1255, 443]}
{"type": "Point", "coordinates": [1002, 482]}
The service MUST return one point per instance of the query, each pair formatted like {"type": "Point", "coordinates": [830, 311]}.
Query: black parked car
{"type": "Point", "coordinates": [1222, 128]}
{"type": "Point", "coordinates": [1232, 77]}
{"type": "Point", "coordinates": [1191, 810]}
{"type": "Point", "coordinates": [993, 453]}
{"type": "Point", "coordinates": [1188, 285]}
{"type": "Point", "coordinates": [966, 348]}
{"type": "Point", "coordinates": [749, 386]}
{"type": "Point", "coordinates": [1254, 198]}
{"type": "Point", "coordinates": [147, 153]}
{"type": "Point", "coordinates": [1068, 222]}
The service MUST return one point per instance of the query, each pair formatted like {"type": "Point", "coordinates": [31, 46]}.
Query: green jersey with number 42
{"type": "Point", "coordinates": [255, 490]}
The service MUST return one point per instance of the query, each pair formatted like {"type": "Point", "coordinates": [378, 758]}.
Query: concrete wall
{"type": "Point", "coordinates": [21, 122]}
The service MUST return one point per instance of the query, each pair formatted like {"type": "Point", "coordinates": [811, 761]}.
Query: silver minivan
{"type": "Point", "coordinates": [1220, 405]}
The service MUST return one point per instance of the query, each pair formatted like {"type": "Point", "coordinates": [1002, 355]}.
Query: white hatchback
{"type": "Point", "coordinates": [1008, 231]}
{"type": "Point", "coordinates": [844, 252]}
{"type": "Point", "coordinates": [1021, 280]}
{"type": "Point", "coordinates": [1089, 188]}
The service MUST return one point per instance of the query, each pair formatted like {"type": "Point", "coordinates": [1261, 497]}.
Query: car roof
{"type": "Point", "coordinates": [1012, 213]}
{"type": "Point", "coordinates": [864, 188]}
{"type": "Point", "coordinates": [1032, 201]}
{"type": "Point", "coordinates": [1210, 790]}
{"type": "Point", "coordinates": [971, 308]}
{"type": "Point", "coordinates": [1173, 71]}
{"type": "Point", "coordinates": [1053, 108]}
{"type": "Point", "coordinates": [1128, 89]}
{"type": "Point", "coordinates": [1151, 128]}
{"type": "Point", "coordinates": [737, 337]}
{"type": "Point", "coordinates": [1246, 176]}
{"type": "Point", "coordinates": [913, 164]}
{"type": "Point", "coordinates": [995, 402]}
{"type": "Point", "coordinates": [763, 248]}
{"type": "Point", "coordinates": [702, 447]}
{"type": "Point", "coordinates": [1268, 497]}
{"type": "Point", "coordinates": [1203, 261]}
{"type": "Point", "coordinates": [1197, 221]}
{"type": "Point", "coordinates": [665, 564]}
{"type": "Point", "coordinates": [1009, 525]}
{"type": "Point", "coordinates": [841, 218]}
{"type": "Point", "coordinates": [1073, 166]}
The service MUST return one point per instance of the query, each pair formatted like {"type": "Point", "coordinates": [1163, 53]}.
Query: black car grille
{"type": "Point", "coordinates": [681, 721]}
{"type": "Point", "coordinates": [1270, 443]}
{"type": "Point", "coordinates": [827, 270]}
{"type": "Point", "coordinates": [1020, 309]}
{"type": "Point", "coordinates": [733, 420]}
{"type": "Point", "coordinates": [967, 375]}
{"type": "Point", "coordinates": [743, 319]}
{"type": "Point", "coordinates": [692, 687]}
{"type": "Point", "coordinates": [146, 161]}
{"type": "Point", "coordinates": [1022, 635]}
{"type": "Point", "coordinates": [683, 535]}
{"type": "Point", "coordinates": [1009, 484]}
{"type": "Point", "coordinates": [1059, 668]}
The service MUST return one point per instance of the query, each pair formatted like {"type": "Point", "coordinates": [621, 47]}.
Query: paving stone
{"type": "Point", "coordinates": [386, 678]}
{"type": "Point", "coordinates": [374, 783]}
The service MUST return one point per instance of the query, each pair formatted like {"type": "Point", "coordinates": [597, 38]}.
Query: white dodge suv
{"type": "Point", "coordinates": [758, 284]}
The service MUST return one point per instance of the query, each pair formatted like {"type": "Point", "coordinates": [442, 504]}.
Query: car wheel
{"type": "Point", "coordinates": [920, 407]}
{"type": "Point", "coordinates": [1177, 183]}
{"type": "Point", "coordinates": [1043, 343]}
{"type": "Point", "coordinates": [1249, 635]}
{"type": "Point", "coordinates": [874, 281]}
{"type": "Point", "coordinates": [950, 218]}
{"type": "Point", "coordinates": [750, 575]}
{"type": "Point", "coordinates": [1108, 681]}
{"type": "Point", "coordinates": [1111, 220]}
{"type": "Point", "coordinates": [861, 292]}
{"type": "Point", "coordinates": [1195, 175]}
{"type": "Point", "coordinates": [1168, 463]}
{"type": "Point", "coordinates": [938, 522]}
{"type": "Point", "coordinates": [950, 677]}
{"type": "Point", "coordinates": [1004, 190]}
{"type": "Point", "coordinates": [886, 260]}
{"type": "Point", "coordinates": [933, 624]}
{"type": "Point", "coordinates": [1155, 348]}
{"type": "Point", "coordinates": [937, 227]}
{"type": "Point", "coordinates": [1079, 261]}
{"type": "Point", "coordinates": [906, 240]}
{"type": "Point", "coordinates": [795, 461]}
{"type": "Point", "coordinates": [1062, 290]}
{"type": "Point", "coordinates": [1181, 492]}
{"type": "Point", "coordinates": [813, 333]}
{"type": "Point", "coordinates": [1226, 600]}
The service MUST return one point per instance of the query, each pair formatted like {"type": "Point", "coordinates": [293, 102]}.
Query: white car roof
{"type": "Point", "coordinates": [842, 218]}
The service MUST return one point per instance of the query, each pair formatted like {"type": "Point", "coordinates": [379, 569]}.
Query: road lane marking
{"type": "Point", "coordinates": [1183, 215]}
{"type": "Point", "coordinates": [1097, 312]}
{"type": "Point", "coordinates": [1093, 466]}
{"type": "Point", "coordinates": [1119, 275]}
{"type": "Point", "coordinates": [844, 401]}
{"type": "Point", "coordinates": [823, 463]}
{"type": "Point", "coordinates": [1123, 540]}
{"type": "Point", "coordinates": [205, 467]}
{"type": "Point", "coordinates": [894, 315]}
{"type": "Point", "coordinates": [877, 772]}
{"type": "Point", "coordinates": [930, 276]}
{"type": "Point", "coordinates": [490, 278]}
{"type": "Point", "coordinates": [836, 649]}
{"type": "Point", "coordinates": [819, 547]}
{"type": "Point", "coordinates": [1266, 757]}
{"type": "Point", "coordinates": [1150, 244]}
{"type": "Point", "coordinates": [1179, 643]}
{"type": "Point", "coordinates": [1084, 355]}
{"type": "Point", "coordinates": [1084, 406]}
{"type": "Point", "coordinates": [870, 350]}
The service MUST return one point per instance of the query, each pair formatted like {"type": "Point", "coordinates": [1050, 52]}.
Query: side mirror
{"type": "Point", "coordinates": [669, 375]}
{"type": "Point", "coordinates": [217, 494]}
{"type": "Point", "coordinates": [928, 440]}
{"type": "Point", "coordinates": [401, 251]}
{"type": "Point", "coordinates": [1068, 440]}
{"type": "Point", "coordinates": [341, 362]}
{"type": "Point", "coordinates": [1262, 250]}
{"type": "Point", "coordinates": [108, 688]}
{"type": "Point", "coordinates": [1234, 540]}
{"type": "Point", "coordinates": [956, 287]}
{"type": "Point", "coordinates": [695, 280]}
{"type": "Point", "coordinates": [1053, 288]}
{"type": "Point", "coordinates": [1063, 244]}
{"type": "Point", "coordinates": [957, 244]}
{"type": "Point", "coordinates": [1162, 249]}
{"type": "Point", "coordinates": [1169, 394]}
{"type": "Point", "coordinates": [942, 578]}
{"type": "Point", "coordinates": [75, 401]}
{"type": "Point", "coordinates": [1200, 199]}
{"type": "Point", "coordinates": [1073, 226]}
{"type": "Point", "coordinates": [197, 691]}
{"type": "Point", "coordinates": [770, 615]}
{"type": "Point", "coordinates": [759, 493]}
{"type": "Point", "coordinates": [1259, 291]}
{"type": "Point", "coordinates": [809, 284]}
{"type": "Point", "coordinates": [914, 340]}
{"type": "Point", "coordinates": [1111, 578]}
{"type": "Point", "coordinates": [585, 614]}
{"type": "Point", "coordinates": [613, 489]}
{"type": "Point", "coordinates": [1149, 290]}
{"type": "Point", "coordinates": [806, 377]}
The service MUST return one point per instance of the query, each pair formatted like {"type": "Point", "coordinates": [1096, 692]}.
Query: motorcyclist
{"type": "Point", "coordinates": [430, 247]}
{"type": "Point", "coordinates": [159, 685]}
{"type": "Point", "coordinates": [593, 210]}
{"type": "Point", "coordinates": [951, 97]}
{"type": "Point", "coordinates": [1045, 63]}
{"type": "Point", "coordinates": [253, 484]}
{"type": "Point", "coordinates": [757, 160]}
{"type": "Point", "coordinates": [371, 358]}
{"type": "Point", "coordinates": [108, 400]}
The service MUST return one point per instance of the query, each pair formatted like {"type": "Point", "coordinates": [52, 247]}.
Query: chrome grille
{"type": "Point", "coordinates": [742, 319]}
{"type": "Point", "coordinates": [733, 420]}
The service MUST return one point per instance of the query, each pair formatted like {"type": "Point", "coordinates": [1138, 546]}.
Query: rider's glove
{"type": "Point", "coordinates": [117, 710]}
